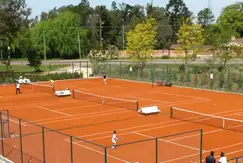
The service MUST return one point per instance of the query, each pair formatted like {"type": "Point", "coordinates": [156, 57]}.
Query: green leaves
{"type": "Point", "coordinates": [205, 17]}
{"type": "Point", "coordinates": [61, 34]}
{"type": "Point", "coordinates": [177, 12]}
{"type": "Point", "coordinates": [190, 38]}
{"type": "Point", "coordinates": [232, 15]}
{"type": "Point", "coordinates": [141, 41]}
{"type": "Point", "coordinates": [34, 59]}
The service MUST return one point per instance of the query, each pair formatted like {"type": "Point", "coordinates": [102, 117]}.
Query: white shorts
{"type": "Point", "coordinates": [113, 141]}
{"type": "Point", "coordinates": [104, 80]}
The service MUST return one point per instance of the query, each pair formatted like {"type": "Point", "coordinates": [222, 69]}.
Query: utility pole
{"type": "Point", "coordinates": [100, 21]}
{"type": "Point", "coordinates": [123, 39]}
{"type": "Point", "coordinates": [44, 42]}
{"type": "Point", "coordinates": [210, 4]}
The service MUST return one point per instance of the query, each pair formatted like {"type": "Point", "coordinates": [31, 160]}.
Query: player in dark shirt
{"type": "Point", "coordinates": [104, 78]}
{"type": "Point", "coordinates": [210, 158]}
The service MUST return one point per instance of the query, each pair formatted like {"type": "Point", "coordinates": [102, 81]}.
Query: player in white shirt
{"type": "Point", "coordinates": [114, 140]}
{"type": "Point", "coordinates": [223, 158]}
{"type": "Point", "coordinates": [104, 77]}
{"type": "Point", "coordinates": [17, 88]}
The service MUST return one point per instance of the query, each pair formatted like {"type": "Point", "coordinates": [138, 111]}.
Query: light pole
{"type": "Point", "coordinates": [101, 23]}
{"type": "Point", "coordinates": [9, 58]}
{"type": "Point", "coordinates": [123, 41]}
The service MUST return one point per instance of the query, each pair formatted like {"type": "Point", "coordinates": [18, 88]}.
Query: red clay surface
{"type": "Point", "coordinates": [95, 122]}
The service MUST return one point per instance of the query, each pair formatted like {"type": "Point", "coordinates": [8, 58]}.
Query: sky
{"type": "Point", "coordinates": [194, 5]}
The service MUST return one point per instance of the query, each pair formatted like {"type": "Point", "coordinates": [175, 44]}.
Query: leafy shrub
{"type": "Point", "coordinates": [9, 77]}
{"type": "Point", "coordinates": [165, 57]}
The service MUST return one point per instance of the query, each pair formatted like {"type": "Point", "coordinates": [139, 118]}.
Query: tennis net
{"type": "Point", "coordinates": [39, 87]}
{"type": "Point", "coordinates": [207, 119]}
{"type": "Point", "coordinates": [128, 104]}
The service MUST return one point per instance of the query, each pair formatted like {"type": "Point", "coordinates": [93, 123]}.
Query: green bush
{"type": "Point", "coordinates": [165, 57]}
{"type": "Point", "coordinates": [9, 77]}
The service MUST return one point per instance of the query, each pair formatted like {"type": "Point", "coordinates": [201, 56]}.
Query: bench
{"type": "Point", "coordinates": [63, 93]}
{"type": "Point", "coordinates": [149, 110]}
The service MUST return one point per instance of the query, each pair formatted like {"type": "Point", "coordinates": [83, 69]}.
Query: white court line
{"type": "Point", "coordinates": [179, 158]}
{"type": "Point", "coordinates": [197, 154]}
{"type": "Point", "coordinates": [54, 111]}
{"type": "Point", "coordinates": [199, 98]}
{"type": "Point", "coordinates": [175, 103]}
{"type": "Point", "coordinates": [102, 153]}
{"type": "Point", "coordinates": [127, 133]}
{"type": "Point", "coordinates": [228, 153]}
{"type": "Point", "coordinates": [185, 146]}
{"type": "Point", "coordinates": [79, 115]}
{"type": "Point", "coordinates": [148, 99]}
{"type": "Point", "coordinates": [208, 132]}
{"type": "Point", "coordinates": [70, 119]}
{"type": "Point", "coordinates": [85, 106]}
{"type": "Point", "coordinates": [239, 114]}
{"type": "Point", "coordinates": [14, 121]}
{"type": "Point", "coordinates": [148, 125]}
{"type": "Point", "coordinates": [14, 107]}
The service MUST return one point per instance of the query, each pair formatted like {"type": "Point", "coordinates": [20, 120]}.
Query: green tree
{"type": "Point", "coordinates": [177, 13]}
{"type": "Point", "coordinates": [99, 58]}
{"type": "Point", "coordinates": [232, 16]}
{"type": "Point", "coordinates": [13, 18]}
{"type": "Point", "coordinates": [34, 59]}
{"type": "Point", "coordinates": [190, 39]}
{"type": "Point", "coordinates": [205, 17]}
{"type": "Point", "coordinates": [141, 42]}
{"type": "Point", "coordinates": [61, 35]}
{"type": "Point", "coordinates": [228, 50]}
{"type": "Point", "coordinates": [163, 28]}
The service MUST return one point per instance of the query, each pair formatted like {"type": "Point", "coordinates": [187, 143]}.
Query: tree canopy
{"type": "Point", "coordinates": [72, 31]}
{"type": "Point", "coordinates": [141, 41]}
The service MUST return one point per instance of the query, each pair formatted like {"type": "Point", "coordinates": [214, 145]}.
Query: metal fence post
{"type": "Point", "coordinates": [156, 150]}
{"type": "Point", "coordinates": [152, 74]}
{"type": "Point", "coordinates": [49, 68]}
{"type": "Point", "coordinates": [110, 68]}
{"type": "Point", "coordinates": [2, 133]}
{"type": "Point", "coordinates": [171, 112]}
{"type": "Point", "coordinates": [167, 73]}
{"type": "Point", "coordinates": [43, 144]}
{"type": "Point", "coordinates": [229, 85]}
{"type": "Point", "coordinates": [106, 161]}
{"type": "Point", "coordinates": [8, 124]}
{"type": "Point", "coordinates": [21, 143]}
{"type": "Point", "coordinates": [201, 142]}
{"type": "Point", "coordinates": [80, 69]}
{"type": "Point", "coordinates": [120, 69]}
{"type": "Point", "coordinates": [71, 148]}
{"type": "Point", "coordinates": [87, 69]}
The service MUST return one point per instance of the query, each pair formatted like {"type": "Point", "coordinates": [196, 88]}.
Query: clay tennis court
{"type": "Point", "coordinates": [179, 141]}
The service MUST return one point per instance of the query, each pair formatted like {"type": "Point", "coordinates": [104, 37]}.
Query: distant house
{"type": "Point", "coordinates": [173, 52]}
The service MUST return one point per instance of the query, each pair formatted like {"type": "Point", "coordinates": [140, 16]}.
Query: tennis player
{"type": "Point", "coordinates": [114, 140]}
{"type": "Point", "coordinates": [17, 88]}
{"type": "Point", "coordinates": [223, 158]}
{"type": "Point", "coordinates": [105, 78]}
{"type": "Point", "coordinates": [210, 158]}
{"type": "Point", "coordinates": [52, 82]}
